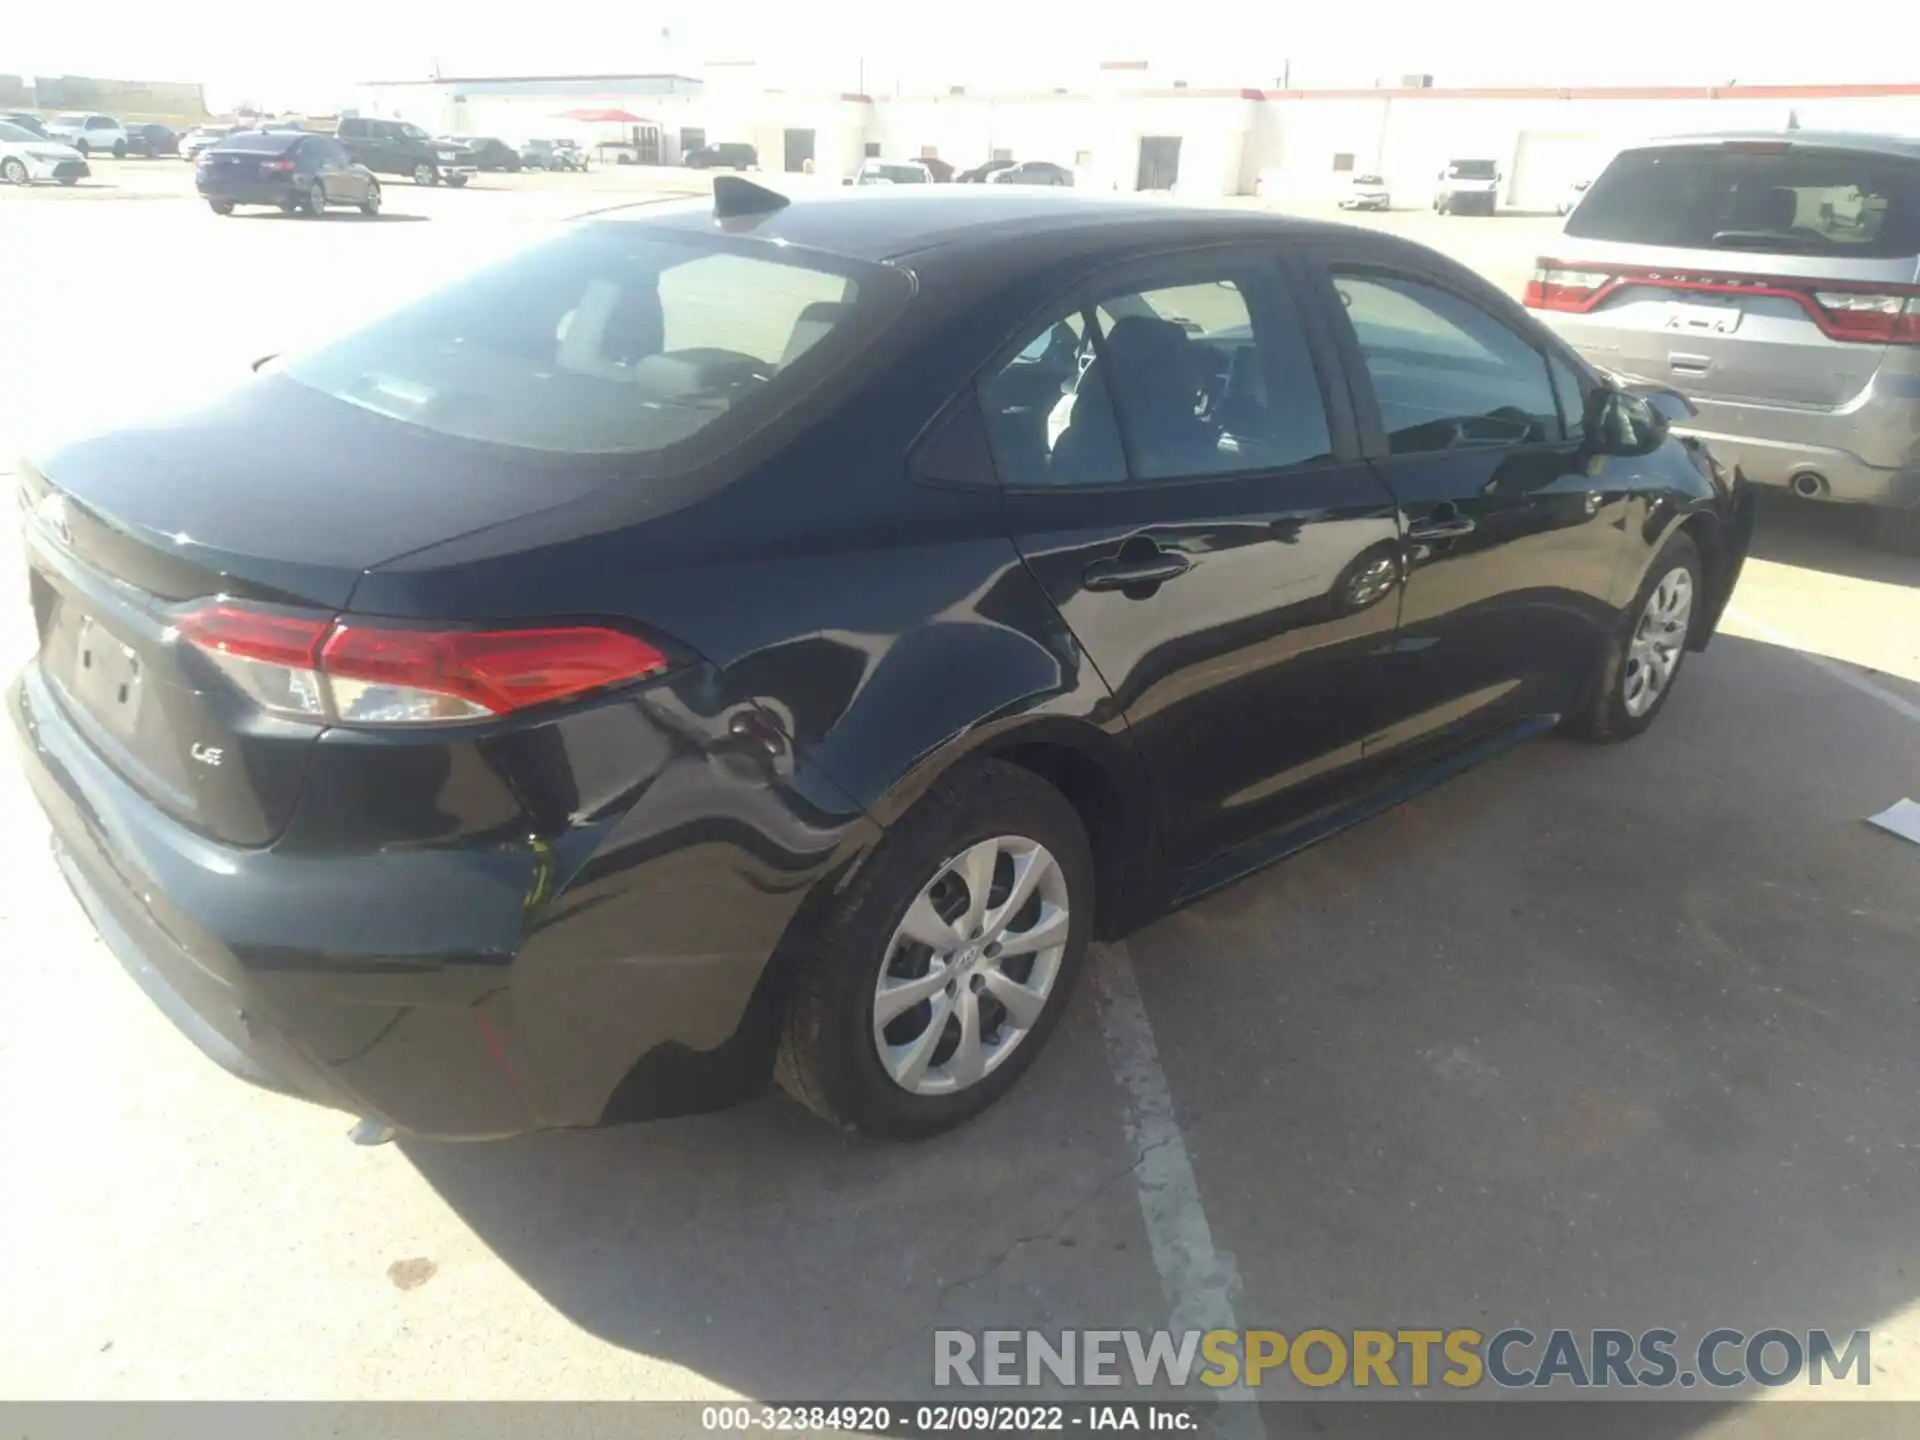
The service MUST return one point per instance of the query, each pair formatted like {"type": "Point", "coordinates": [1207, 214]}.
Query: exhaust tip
{"type": "Point", "coordinates": [1810, 485]}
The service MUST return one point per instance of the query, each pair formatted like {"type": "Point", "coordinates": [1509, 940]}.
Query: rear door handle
{"type": "Point", "coordinates": [1442, 527]}
{"type": "Point", "coordinates": [1124, 573]}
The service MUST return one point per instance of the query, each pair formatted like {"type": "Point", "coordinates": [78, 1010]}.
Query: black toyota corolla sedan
{"type": "Point", "coordinates": [749, 638]}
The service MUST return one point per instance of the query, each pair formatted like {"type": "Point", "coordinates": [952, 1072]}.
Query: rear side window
{"type": "Point", "coordinates": [1770, 197]}
{"type": "Point", "coordinates": [614, 338]}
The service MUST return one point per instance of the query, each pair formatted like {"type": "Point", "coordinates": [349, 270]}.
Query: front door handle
{"type": "Point", "coordinates": [1128, 571]}
{"type": "Point", "coordinates": [1441, 527]}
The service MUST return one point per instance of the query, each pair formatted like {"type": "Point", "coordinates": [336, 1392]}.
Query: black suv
{"type": "Point", "coordinates": [729, 155]}
{"type": "Point", "coordinates": [395, 147]}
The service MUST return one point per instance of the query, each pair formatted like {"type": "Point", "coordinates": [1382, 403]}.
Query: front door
{"type": "Point", "coordinates": [1513, 530]}
{"type": "Point", "coordinates": [1180, 484]}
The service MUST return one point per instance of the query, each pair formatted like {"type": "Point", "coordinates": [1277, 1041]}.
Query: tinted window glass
{"type": "Point", "coordinates": [15, 134]}
{"type": "Point", "coordinates": [1780, 199]}
{"type": "Point", "coordinates": [1048, 413]}
{"type": "Point", "coordinates": [612, 338]}
{"type": "Point", "coordinates": [1472, 170]}
{"type": "Point", "coordinates": [1447, 375]}
{"type": "Point", "coordinates": [1569, 390]}
{"type": "Point", "coordinates": [260, 142]}
{"type": "Point", "coordinates": [1201, 389]}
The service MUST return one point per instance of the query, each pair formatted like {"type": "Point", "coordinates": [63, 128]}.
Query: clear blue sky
{"type": "Point", "coordinates": [838, 44]}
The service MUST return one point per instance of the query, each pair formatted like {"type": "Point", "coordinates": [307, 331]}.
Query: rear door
{"type": "Point", "coordinates": [1180, 485]}
{"type": "Point", "coordinates": [1512, 541]}
{"type": "Point", "coordinates": [1769, 271]}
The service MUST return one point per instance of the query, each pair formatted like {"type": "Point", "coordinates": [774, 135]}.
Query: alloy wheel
{"type": "Point", "coordinates": [970, 967]}
{"type": "Point", "coordinates": [425, 175]}
{"type": "Point", "coordinates": [316, 199]}
{"type": "Point", "coordinates": [1654, 652]}
{"type": "Point", "coordinates": [14, 171]}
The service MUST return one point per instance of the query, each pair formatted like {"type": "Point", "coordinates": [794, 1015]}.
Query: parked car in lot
{"type": "Point", "coordinates": [152, 141]}
{"type": "Point", "coordinates": [1031, 172]}
{"type": "Point", "coordinates": [25, 120]}
{"type": "Point", "coordinates": [91, 134]}
{"type": "Point", "coordinates": [1776, 277]}
{"type": "Point", "coordinates": [891, 172]}
{"type": "Point", "coordinates": [1572, 198]}
{"type": "Point", "coordinates": [26, 157]}
{"type": "Point", "coordinates": [726, 155]}
{"type": "Point", "coordinates": [288, 170]}
{"type": "Point", "coordinates": [552, 155]}
{"type": "Point", "coordinates": [201, 137]}
{"type": "Point", "coordinates": [979, 174]}
{"type": "Point", "coordinates": [679, 653]}
{"type": "Point", "coordinates": [396, 147]}
{"type": "Point", "coordinates": [487, 153]}
{"type": "Point", "coordinates": [1367, 192]}
{"type": "Point", "coordinates": [1468, 187]}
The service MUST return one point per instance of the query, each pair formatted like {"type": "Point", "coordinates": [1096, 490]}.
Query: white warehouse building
{"type": "Point", "coordinates": [1122, 133]}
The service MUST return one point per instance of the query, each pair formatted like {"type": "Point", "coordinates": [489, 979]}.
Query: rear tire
{"type": "Point", "coordinates": [1620, 708]}
{"type": "Point", "coordinates": [316, 204]}
{"type": "Point", "coordinates": [68, 179]}
{"type": "Point", "coordinates": [220, 207]}
{"type": "Point", "coordinates": [81, 146]}
{"type": "Point", "coordinates": [371, 205]}
{"type": "Point", "coordinates": [119, 149]}
{"type": "Point", "coordinates": [457, 181]}
{"type": "Point", "coordinates": [830, 1058]}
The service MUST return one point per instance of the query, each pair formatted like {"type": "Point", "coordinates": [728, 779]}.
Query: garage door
{"type": "Point", "coordinates": [1547, 162]}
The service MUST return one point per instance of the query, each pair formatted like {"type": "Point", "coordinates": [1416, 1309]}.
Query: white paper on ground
{"type": "Point", "coordinates": [1902, 818]}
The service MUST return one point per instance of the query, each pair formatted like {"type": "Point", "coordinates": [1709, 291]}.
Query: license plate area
{"type": "Point", "coordinates": [108, 678]}
{"type": "Point", "coordinates": [1689, 317]}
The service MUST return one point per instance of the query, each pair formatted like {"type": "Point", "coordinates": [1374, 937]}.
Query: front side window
{"type": "Point", "coordinates": [1446, 374]}
{"type": "Point", "coordinates": [614, 338]}
{"type": "Point", "coordinates": [1158, 383]}
{"type": "Point", "coordinates": [99, 122]}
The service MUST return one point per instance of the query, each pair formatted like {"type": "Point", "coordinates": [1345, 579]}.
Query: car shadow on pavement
{"type": "Point", "coordinates": [780, 1258]}
{"type": "Point", "coordinates": [341, 216]}
{"type": "Point", "coordinates": [1612, 1037]}
{"type": "Point", "coordinates": [1836, 539]}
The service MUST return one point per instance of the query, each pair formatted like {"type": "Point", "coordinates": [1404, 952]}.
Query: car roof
{"type": "Point", "coordinates": [1882, 144]}
{"type": "Point", "coordinates": [262, 142]}
{"type": "Point", "coordinates": [880, 223]}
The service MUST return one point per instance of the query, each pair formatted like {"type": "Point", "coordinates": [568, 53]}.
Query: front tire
{"type": "Point", "coordinates": [220, 207]}
{"type": "Point", "coordinates": [14, 170]}
{"type": "Point", "coordinates": [371, 205]}
{"type": "Point", "coordinates": [424, 174]}
{"type": "Point", "coordinates": [1643, 661]}
{"type": "Point", "coordinates": [457, 181]}
{"type": "Point", "coordinates": [947, 963]}
{"type": "Point", "coordinates": [316, 201]}
{"type": "Point", "coordinates": [119, 149]}
{"type": "Point", "coordinates": [81, 146]}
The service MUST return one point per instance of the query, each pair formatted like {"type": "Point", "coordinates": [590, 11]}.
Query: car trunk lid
{"type": "Point", "coordinates": [130, 534]}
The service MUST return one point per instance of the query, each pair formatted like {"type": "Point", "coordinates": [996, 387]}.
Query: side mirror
{"type": "Point", "coordinates": [1620, 422]}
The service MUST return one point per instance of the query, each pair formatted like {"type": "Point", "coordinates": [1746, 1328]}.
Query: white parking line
{"type": "Point", "coordinates": [1845, 674]}
{"type": "Point", "coordinates": [1197, 1279]}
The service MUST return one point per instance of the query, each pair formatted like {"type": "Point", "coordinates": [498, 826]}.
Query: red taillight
{"type": "Point", "coordinates": [1882, 315]}
{"type": "Point", "coordinates": [1876, 319]}
{"type": "Point", "coordinates": [277, 167]}
{"type": "Point", "coordinates": [1560, 287]}
{"type": "Point", "coordinates": [308, 667]}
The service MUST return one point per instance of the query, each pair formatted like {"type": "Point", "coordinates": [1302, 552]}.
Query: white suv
{"type": "Point", "coordinates": [91, 134]}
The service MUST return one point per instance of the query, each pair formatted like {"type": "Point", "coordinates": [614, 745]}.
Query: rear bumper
{"type": "Point", "coordinates": [252, 192]}
{"type": "Point", "coordinates": [464, 991]}
{"type": "Point", "coordinates": [1834, 471]}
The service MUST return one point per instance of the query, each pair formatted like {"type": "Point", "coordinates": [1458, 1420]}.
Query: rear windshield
{"type": "Point", "coordinates": [1775, 198]}
{"type": "Point", "coordinates": [261, 142]}
{"type": "Point", "coordinates": [1472, 170]}
{"type": "Point", "coordinates": [615, 338]}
